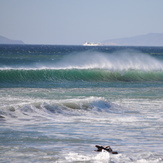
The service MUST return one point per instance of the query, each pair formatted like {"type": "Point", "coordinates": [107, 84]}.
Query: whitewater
{"type": "Point", "coordinates": [58, 102]}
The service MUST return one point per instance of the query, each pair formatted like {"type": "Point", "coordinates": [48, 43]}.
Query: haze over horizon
{"type": "Point", "coordinates": [74, 22]}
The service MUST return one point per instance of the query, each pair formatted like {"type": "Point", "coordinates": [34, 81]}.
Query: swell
{"type": "Point", "coordinates": [97, 75]}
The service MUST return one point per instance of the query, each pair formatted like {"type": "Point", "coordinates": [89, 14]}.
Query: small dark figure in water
{"type": "Point", "coordinates": [107, 148]}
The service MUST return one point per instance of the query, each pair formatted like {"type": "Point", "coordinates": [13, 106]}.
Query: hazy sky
{"type": "Point", "coordinates": [77, 21]}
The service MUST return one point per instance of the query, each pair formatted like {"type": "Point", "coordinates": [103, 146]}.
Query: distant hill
{"type": "Point", "coordinates": [151, 39]}
{"type": "Point", "coordinates": [4, 40]}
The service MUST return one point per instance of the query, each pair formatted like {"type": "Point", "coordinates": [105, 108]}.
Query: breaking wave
{"type": "Point", "coordinates": [52, 75]}
{"type": "Point", "coordinates": [88, 66]}
{"type": "Point", "coordinates": [47, 110]}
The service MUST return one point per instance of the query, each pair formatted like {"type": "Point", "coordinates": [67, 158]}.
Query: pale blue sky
{"type": "Point", "coordinates": [77, 21]}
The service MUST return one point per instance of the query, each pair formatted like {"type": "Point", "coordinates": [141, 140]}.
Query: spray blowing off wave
{"type": "Point", "coordinates": [117, 61]}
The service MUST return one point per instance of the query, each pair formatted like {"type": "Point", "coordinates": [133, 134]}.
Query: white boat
{"type": "Point", "coordinates": [90, 44]}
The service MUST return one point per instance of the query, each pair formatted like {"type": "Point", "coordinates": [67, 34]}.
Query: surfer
{"type": "Point", "coordinates": [107, 148]}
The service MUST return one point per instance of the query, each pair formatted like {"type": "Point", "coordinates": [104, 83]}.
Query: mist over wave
{"type": "Point", "coordinates": [122, 60]}
{"type": "Point", "coordinates": [116, 61]}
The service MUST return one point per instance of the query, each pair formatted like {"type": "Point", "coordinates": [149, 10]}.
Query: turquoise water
{"type": "Point", "coordinates": [58, 102]}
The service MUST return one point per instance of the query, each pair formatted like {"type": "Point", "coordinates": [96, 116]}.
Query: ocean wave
{"type": "Point", "coordinates": [97, 75]}
{"type": "Point", "coordinates": [48, 110]}
{"type": "Point", "coordinates": [91, 66]}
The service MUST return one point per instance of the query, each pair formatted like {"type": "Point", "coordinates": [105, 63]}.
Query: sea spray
{"type": "Point", "coordinates": [117, 61]}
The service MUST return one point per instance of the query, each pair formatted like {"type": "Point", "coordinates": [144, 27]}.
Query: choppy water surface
{"type": "Point", "coordinates": [58, 102]}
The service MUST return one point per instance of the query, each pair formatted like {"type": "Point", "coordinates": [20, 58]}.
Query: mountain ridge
{"type": "Point", "coordinates": [4, 40]}
{"type": "Point", "coordinates": [150, 39]}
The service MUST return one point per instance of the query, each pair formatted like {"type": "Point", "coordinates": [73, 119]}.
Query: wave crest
{"type": "Point", "coordinates": [117, 61]}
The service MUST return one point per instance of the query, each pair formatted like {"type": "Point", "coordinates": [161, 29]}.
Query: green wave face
{"type": "Point", "coordinates": [22, 75]}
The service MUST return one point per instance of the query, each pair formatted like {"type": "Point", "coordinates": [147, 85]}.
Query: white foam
{"type": "Point", "coordinates": [102, 157]}
{"type": "Point", "coordinates": [76, 157]}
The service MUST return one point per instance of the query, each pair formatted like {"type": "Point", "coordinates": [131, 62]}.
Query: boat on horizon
{"type": "Point", "coordinates": [91, 44]}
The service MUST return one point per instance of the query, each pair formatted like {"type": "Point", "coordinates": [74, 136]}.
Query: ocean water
{"type": "Point", "coordinates": [58, 102]}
